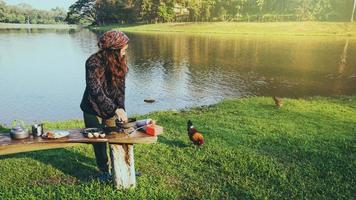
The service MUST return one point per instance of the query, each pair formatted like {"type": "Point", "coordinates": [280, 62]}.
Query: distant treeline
{"type": "Point", "coordinates": [153, 11]}
{"type": "Point", "coordinates": [25, 14]}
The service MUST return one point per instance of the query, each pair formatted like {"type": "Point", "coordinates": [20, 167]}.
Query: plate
{"type": "Point", "coordinates": [55, 134]}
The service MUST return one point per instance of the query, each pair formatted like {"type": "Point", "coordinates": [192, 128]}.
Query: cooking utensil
{"type": "Point", "coordinates": [136, 129]}
{"type": "Point", "coordinates": [18, 133]}
{"type": "Point", "coordinates": [131, 123]}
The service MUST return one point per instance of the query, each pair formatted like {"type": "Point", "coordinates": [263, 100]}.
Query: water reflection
{"type": "Point", "coordinates": [240, 66]}
{"type": "Point", "coordinates": [42, 71]}
{"type": "Point", "coordinates": [343, 58]}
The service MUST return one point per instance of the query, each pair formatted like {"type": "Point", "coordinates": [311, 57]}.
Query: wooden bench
{"type": "Point", "coordinates": [121, 150]}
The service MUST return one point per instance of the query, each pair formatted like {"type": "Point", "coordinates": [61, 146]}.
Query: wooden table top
{"type": "Point", "coordinates": [9, 146]}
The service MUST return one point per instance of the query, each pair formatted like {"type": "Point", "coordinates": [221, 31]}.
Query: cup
{"type": "Point", "coordinates": [37, 130]}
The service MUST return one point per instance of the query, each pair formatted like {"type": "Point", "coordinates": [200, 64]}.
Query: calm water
{"type": "Point", "coordinates": [42, 71]}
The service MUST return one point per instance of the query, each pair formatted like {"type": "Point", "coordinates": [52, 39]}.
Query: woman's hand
{"type": "Point", "coordinates": [121, 115]}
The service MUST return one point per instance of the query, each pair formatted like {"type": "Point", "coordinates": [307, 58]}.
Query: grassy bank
{"type": "Point", "coordinates": [271, 28]}
{"type": "Point", "coordinates": [36, 26]}
{"type": "Point", "coordinates": [305, 150]}
{"type": "Point", "coordinates": [222, 28]}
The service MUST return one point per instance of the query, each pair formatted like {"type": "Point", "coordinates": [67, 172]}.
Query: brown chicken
{"type": "Point", "coordinates": [278, 101]}
{"type": "Point", "coordinates": [194, 136]}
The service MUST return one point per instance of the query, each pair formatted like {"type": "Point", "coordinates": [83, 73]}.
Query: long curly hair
{"type": "Point", "coordinates": [116, 66]}
{"type": "Point", "coordinates": [111, 44]}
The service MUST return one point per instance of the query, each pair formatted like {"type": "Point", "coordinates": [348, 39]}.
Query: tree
{"type": "Point", "coordinates": [58, 14]}
{"type": "Point", "coordinates": [152, 11]}
{"type": "Point", "coordinates": [114, 11]}
{"type": "Point", "coordinates": [82, 10]}
{"type": "Point", "coordinates": [260, 4]}
{"type": "Point", "coordinates": [206, 10]}
{"type": "Point", "coordinates": [25, 13]}
{"type": "Point", "coordinates": [142, 9]}
{"type": "Point", "coordinates": [165, 12]}
{"type": "Point", "coordinates": [2, 10]}
{"type": "Point", "coordinates": [304, 10]}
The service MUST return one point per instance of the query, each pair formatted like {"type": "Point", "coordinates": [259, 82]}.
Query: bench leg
{"type": "Point", "coordinates": [123, 168]}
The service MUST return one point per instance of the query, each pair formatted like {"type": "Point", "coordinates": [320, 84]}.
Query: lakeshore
{"type": "Point", "coordinates": [243, 28]}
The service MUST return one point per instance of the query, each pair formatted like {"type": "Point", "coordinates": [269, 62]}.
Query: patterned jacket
{"type": "Point", "coordinates": [99, 98]}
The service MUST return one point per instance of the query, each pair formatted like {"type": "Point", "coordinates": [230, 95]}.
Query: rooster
{"type": "Point", "coordinates": [278, 101]}
{"type": "Point", "coordinates": [194, 136]}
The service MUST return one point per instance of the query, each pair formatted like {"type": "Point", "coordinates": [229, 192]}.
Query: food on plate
{"type": "Point", "coordinates": [50, 134]}
{"type": "Point", "coordinates": [55, 134]}
{"type": "Point", "coordinates": [93, 133]}
{"type": "Point", "coordinates": [96, 134]}
{"type": "Point", "coordinates": [90, 135]}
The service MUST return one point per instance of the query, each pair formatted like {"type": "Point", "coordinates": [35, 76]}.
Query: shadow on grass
{"type": "Point", "coordinates": [81, 167]}
{"type": "Point", "coordinates": [315, 135]}
{"type": "Point", "coordinates": [3, 129]}
{"type": "Point", "coordinates": [323, 154]}
{"type": "Point", "coordinates": [329, 169]}
{"type": "Point", "coordinates": [173, 143]}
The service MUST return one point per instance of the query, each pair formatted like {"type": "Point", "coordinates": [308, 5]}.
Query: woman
{"type": "Point", "coordinates": [104, 96]}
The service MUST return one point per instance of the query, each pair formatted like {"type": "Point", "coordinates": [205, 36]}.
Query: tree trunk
{"type": "Point", "coordinates": [353, 11]}
{"type": "Point", "coordinates": [123, 167]}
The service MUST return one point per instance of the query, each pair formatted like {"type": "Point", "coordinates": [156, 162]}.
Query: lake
{"type": "Point", "coordinates": [42, 71]}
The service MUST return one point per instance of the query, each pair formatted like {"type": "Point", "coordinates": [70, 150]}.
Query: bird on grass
{"type": "Point", "coordinates": [194, 136]}
{"type": "Point", "coordinates": [278, 101]}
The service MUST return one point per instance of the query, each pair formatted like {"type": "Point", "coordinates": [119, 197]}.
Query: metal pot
{"type": "Point", "coordinates": [19, 133]}
{"type": "Point", "coordinates": [131, 123]}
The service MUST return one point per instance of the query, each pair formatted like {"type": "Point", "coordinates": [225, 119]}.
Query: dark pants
{"type": "Point", "coordinates": [100, 149]}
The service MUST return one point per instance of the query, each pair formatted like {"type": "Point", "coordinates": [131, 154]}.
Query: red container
{"type": "Point", "coordinates": [150, 129]}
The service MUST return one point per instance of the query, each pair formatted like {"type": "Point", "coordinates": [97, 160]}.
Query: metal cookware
{"type": "Point", "coordinates": [125, 125]}
{"type": "Point", "coordinates": [130, 123]}
{"type": "Point", "coordinates": [18, 133]}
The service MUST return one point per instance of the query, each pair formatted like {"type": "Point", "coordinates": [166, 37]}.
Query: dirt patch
{"type": "Point", "coordinates": [56, 180]}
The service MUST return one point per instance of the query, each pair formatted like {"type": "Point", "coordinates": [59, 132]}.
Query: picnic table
{"type": "Point", "coordinates": [121, 149]}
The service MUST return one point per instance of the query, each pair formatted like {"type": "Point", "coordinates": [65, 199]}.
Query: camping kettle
{"type": "Point", "coordinates": [18, 132]}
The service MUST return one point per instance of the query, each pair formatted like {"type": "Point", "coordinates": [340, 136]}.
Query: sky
{"type": "Point", "coordinates": [43, 4]}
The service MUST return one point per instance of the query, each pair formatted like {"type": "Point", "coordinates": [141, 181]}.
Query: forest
{"type": "Point", "coordinates": [102, 12]}
{"type": "Point", "coordinates": [25, 14]}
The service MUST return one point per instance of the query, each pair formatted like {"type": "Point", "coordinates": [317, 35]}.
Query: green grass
{"type": "Point", "coordinates": [244, 28]}
{"type": "Point", "coordinates": [305, 150]}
